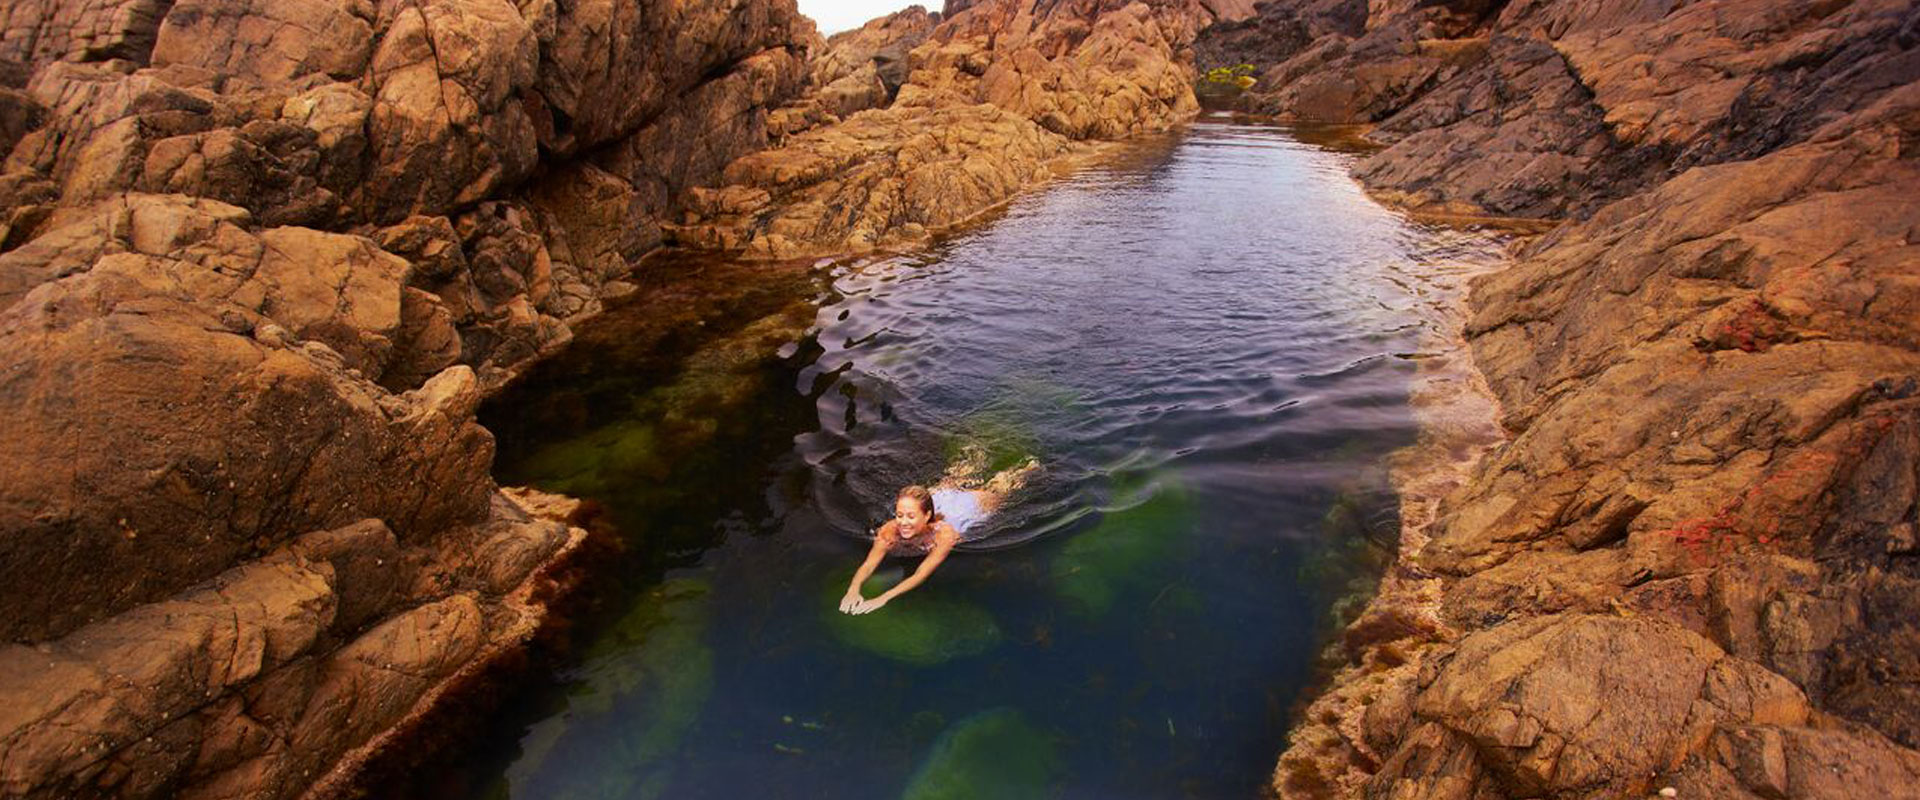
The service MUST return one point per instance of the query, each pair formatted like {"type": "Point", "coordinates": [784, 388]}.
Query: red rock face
{"type": "Point", "coordinates": [260, 258]}
{"type": "Point", "coordinates": [259, 261]}
{"type": "Point", "coordinates": [1008, 87]}
{"type": "Point", "coordinates": [1707, 375]}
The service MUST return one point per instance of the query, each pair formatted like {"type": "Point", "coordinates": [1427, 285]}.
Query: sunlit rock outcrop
{"type": "Point", "coordinates": [1708, 376]}
{"type": "Point", "coordinates": [259, 262]}
{"type": "Point", "coordinates": [993, 93]}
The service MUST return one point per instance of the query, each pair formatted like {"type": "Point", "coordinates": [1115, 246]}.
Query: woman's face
{"type": "Point", "coordinates": [908, 514]}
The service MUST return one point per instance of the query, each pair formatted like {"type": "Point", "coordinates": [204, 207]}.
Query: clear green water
{"type": "Point", "coordinates": [1207, 343]}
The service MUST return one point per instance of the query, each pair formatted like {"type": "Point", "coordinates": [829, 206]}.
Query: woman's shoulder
{"type": "Point", "coordinates": [945, 532]}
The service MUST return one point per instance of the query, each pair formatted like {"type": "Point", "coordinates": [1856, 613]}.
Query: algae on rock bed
{"type": "Point", "coordinates": [1353, 551]}
{"type": "Point", "coordinates": [645, 683]}
{"type": "Point", "coordinates": [923, 628]}
{"type": "Point", "coordinates": [994, 753]}
{"type": "Point", "coordinates": [1096, 567]}
{"type": "Point", "coordinates": [590, 464]}
{"type": "Point", "coordinates": [671, 420]}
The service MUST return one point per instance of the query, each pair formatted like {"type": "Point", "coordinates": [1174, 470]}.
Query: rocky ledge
{"type": "Point", "coordinates": [259, 262]}
{"type": "Point", "coordinates": [1692, 564]}
{"type": "Point", "coordinates": [997, 96]}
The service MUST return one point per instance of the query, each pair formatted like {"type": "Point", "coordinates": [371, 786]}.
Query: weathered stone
{"type": "Point", "coordinates": [884, 178]}
{"type": "Point", "coordinates": [427, 341]}
{"type": "Point", "coordinates": [337, 115]}
{"type": "Point", "coordinates": [443, 131]}
{"type": "Point", "coordinates": [331, 288]}
{"type": "Point", "coordinates": [113, 682]}
{"type": "Point", "coordinates": [19, 113]}
{"type": "Point", "coordinates": [1702, 372]}
{"type": "Point", "coordinates": [267, 41]}
{"type": "Point", "coordinates": [167, 440]}
{"type": "Point", "coordinates": [36, 32]}
{"type": "Point", "coordinates": [994, 95]}
{"type": "Point", "coordinates": [100, 122]}
{"type": "Point", "coordinates": [364, 560]}
{"type": "Point", "coordinates": [726, 117]}
{"type": "Point", "coordinates": [611, 66]}
{"type": "Point", "coordinates": [1083, 69]}
{"type": "Point", "coordinates": [1514, 135]}
{"type": "Point", "coordinates": [877, 49]}
{"type": "Point", "coordinates": [1560, 706]}
{"type": "Point", "coordinates": [210, 376]}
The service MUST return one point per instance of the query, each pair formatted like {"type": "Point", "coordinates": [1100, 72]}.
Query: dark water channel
{"type": "Point", "coordinates": [1207, 343]}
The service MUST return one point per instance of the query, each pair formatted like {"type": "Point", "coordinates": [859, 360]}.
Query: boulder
{"type": "Point", "coordinates": [38, 32]}
{"type": "Point", "coordinates": [444, 130]}
{"type": "Point", "coordinates": [158, 376]}
{"type": "Point", "coordinates": [268, 41]}
{"type": "Point", "coordinates": [1577, 706]}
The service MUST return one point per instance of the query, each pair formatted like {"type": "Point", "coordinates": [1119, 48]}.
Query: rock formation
{"type": "Point", "coordinates": [865, 67]}
{"type": "Point", "coordinates": [260, 259]}
{"type": "Point", "coordinates": [1692, 565]}
{"type": "Point", "coordinates": [993, 96]}
{"type": "Point", "coordinates": [259, 262]}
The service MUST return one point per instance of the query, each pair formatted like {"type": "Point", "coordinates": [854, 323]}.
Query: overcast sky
{"type": "Point", "coordinates": [835, 16]}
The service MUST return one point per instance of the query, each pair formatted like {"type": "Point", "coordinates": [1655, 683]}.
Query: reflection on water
{"type": "Point", "coordinates": [1207, 344]}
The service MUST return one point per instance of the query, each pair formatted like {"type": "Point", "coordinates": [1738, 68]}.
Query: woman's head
{"type": "Point", "coordinates": [913, 509]}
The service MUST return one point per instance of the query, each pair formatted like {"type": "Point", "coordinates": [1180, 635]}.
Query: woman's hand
{"type": "Point", "coordinates": [942, 545]}
{"type": "Point", "coordinates": [852, 599]}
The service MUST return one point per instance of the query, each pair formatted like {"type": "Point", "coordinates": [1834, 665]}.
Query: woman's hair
{"type": "Point", "coordinates": [921, 496]}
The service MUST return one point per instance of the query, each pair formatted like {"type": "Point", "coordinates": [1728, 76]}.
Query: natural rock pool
{"type": "Point", "coordinates": [1208, 342]}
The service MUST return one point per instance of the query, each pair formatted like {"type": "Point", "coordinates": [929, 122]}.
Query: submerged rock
{"type": "Point", "coordinates": [646, 681]}
{"type": "Point", "coordinates": [922, 628]}
{"type": "Point", "coordinates": [1117, 557]}
{"type": "Point", "coordinates": [994, 753]}
{"type": "Point", "coordinates": [588, 465]}
{"type": "Point", "coordinates": [669, 420]}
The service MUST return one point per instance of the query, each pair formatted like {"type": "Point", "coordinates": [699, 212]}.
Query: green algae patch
{"type": "Point", "coordinates": [646, 682]}
{"type": "Point", "coordinates": [726, 373]}
{"type": "Point", "coordinates": [590, 464]}
{"type": "Point", "coordinates": [993, 754]}
{"type": "Point", "coordinates": [1351, 555]}
{"type": "Point", "coordinates": [669, 422]}
{"type": "Point", "coordinates": [921, 628]}
{"type": "Point", "coordinates": [1097, 567]}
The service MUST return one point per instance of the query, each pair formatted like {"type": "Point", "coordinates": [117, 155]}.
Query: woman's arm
{"type": "Point", "coordinates": [875, 555]}
{"type": "Point", "coordinates": [941, 546]}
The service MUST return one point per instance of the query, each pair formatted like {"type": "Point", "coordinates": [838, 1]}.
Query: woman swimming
{"type": "Point", "coordinates": [930, 522]}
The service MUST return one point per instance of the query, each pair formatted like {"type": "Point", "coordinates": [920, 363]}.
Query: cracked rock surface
{"type": "Point", "coordinates": [1691, 565]}
{"type": "Point", "coordinates": [260, 260]}
{"type": "Point", "coordinates": [911, 127]}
